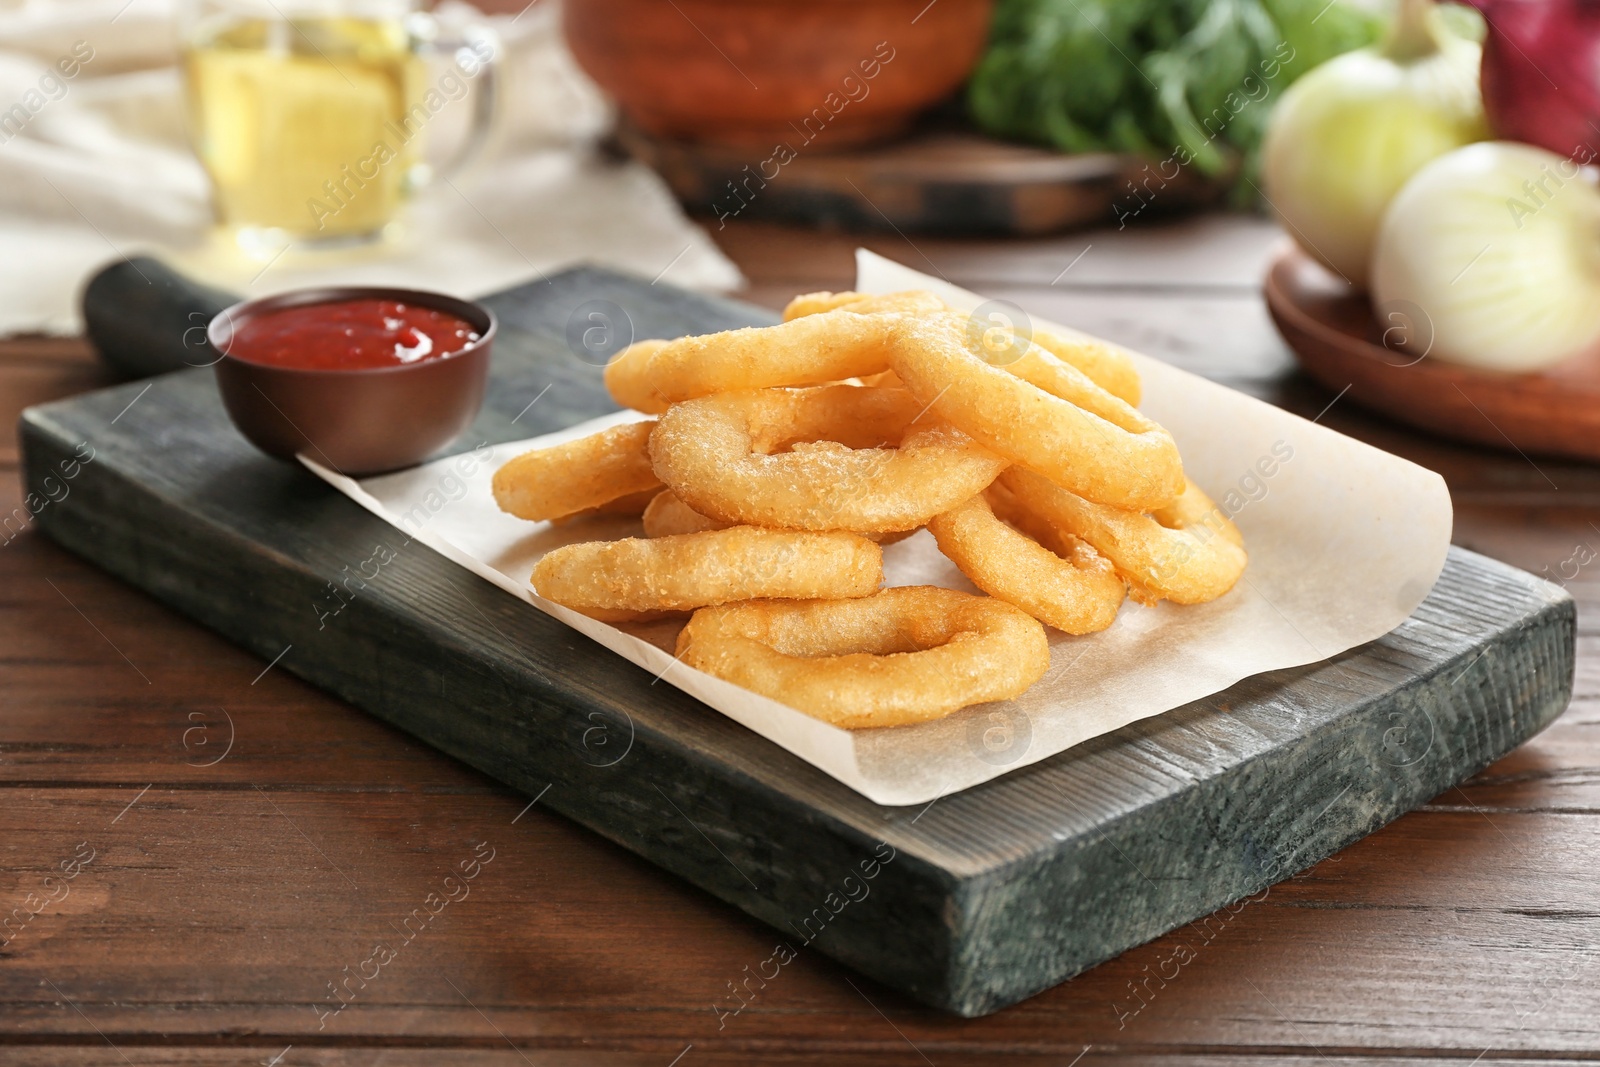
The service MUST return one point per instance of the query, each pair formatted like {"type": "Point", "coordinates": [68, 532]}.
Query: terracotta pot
{"type": "Point", "coordinates": [812, 74]}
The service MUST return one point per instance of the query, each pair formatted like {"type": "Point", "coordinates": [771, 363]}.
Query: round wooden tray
{"type": "Point", "coordinates": [1340, 343]}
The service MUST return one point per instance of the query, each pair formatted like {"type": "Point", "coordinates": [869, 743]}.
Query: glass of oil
{"type": "Point", "coordinates": [310, 120]}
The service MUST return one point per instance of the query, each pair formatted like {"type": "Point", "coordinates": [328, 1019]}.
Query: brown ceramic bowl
{"type": "Point", "coordinates": [810, 74]}
{"type": "Point", "coordinates": [354, 421]}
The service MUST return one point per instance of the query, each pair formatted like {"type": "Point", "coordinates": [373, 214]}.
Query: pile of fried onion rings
{"type": "Point", "coordinates": [782, 458]}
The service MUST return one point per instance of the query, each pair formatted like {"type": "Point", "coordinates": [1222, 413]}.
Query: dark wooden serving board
{"type": "Point", "coordinates": [974, 901]}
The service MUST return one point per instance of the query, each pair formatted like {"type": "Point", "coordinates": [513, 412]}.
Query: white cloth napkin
{"type": "Point", "coordinates": [102, 169]}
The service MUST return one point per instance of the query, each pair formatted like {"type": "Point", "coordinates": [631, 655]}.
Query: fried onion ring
{"type": "Point", "coordinates": [912, 301]}
{"type": "Point", "coordinates": [666, 515]}
{"type": "Point", "coordinates": [1104, 364]}
{"type": "Point", "coordinates": [624, 507]}
{"type": "Point", "coordinates": [906, 655]}
{"type": "Point", "coordinates": [1009, 510]}
{"type": "Point", "coordinates": [721, 456]}
{"type": "Point", "coordinates": [887, 380]}
{"type": "Point", "coordinates": [1108, 367]}
{"type": "Point", "coordinates": [1040, 413]}
{"type": "Point", "coordinates": [1188, 565]}
{"type": "Point", "coordinates": [1077, 590]}
{"type": "Point", "coordinates": [562, 480]}
{"type": "Point", "coordinates": [626, 385]}
{"type": "Point", "coordinates": [618, 580]}
{"type": "Point", "coordinates": [1194, 508]}
{"type": "Point", "coordinates": [827, 347]}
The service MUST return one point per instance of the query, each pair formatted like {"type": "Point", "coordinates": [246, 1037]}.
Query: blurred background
{"type": "Point", "coordinates": [1427, 161]}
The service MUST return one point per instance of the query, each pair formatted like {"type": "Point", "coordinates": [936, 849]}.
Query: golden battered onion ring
{"type": "Point", "coordinates": [1190, 565]}
{"type": "Point", "coordinates": [1104, 364]}
{"type": "Point", "coordinates": [910, 301]}
{"type": "Point", "coordinates": [626, 386]}
{"type": "Point", "coordinates": [720, 455]}
{"type": "Point", "coordinates": [549, 483]}
{"type": "Point", "coordinates": [827, 347]}
{"type": "Point", "coordinates": [666, 515]}
{"type": "Point", "coordinates": [1194, 508]}
{"type": "Point", "coordinates": [662, 574]}
{"type": "Point", "coordinates": [906, 655]}
{"type": "Point", "coordinates": [1078, 592]}
{"type": "Point", "coordinates": [1009, 510]}
{"type": "Point", "coordinates": [624, 507]}
{"type": "Point", "coordinates": [1041, 414]}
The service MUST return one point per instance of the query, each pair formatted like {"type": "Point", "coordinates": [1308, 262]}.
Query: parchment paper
{"type": "Point", "coordinates": [1344, 540]}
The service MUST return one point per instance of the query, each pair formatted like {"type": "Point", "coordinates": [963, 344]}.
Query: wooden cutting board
{"type": "Point", "coordinates": [970, 903]}
{"type": "Point", "coordinates": [941, 178]}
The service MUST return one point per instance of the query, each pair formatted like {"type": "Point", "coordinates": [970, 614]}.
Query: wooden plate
{"type": "Point", "coordinates": [1340, 342]}
{"type": "Point", "coordinates": [941, 178]}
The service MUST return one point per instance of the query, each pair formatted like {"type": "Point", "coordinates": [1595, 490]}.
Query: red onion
{"type": "Point", "coordinates": [1541, 73]}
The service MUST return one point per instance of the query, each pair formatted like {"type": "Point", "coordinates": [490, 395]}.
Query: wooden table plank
{"type": "Point", "coordinates": [241, 876]}
{"type": "Point", "coordinates": [142, 694]}
{"type": "Point", "coordinates": [24, 382]}
{"type": "Point", "coordinates": [1207, 252]}
{"type": "Point", "coordinates": [392, 1056]}
{"type": "Point", "coordinates": [217, 906]}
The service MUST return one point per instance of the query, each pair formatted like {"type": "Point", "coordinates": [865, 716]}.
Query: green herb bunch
{"type": "Point", "coordinates": [1191, 79]}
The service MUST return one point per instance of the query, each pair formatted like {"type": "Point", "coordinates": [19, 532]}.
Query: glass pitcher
{"type": "Point", "coordinates": [309, 115]}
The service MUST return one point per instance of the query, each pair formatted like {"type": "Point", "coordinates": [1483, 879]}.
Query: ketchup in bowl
{"type": "Point", "coordinates": [350, 335]}
{"type": "Point", "coordinates": [360, 380]}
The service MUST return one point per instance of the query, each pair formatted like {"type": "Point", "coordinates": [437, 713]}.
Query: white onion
{"type": "Point", "coordinates": [1345, 137]}
{"type": "Point", "coordinates": [1497, 245]}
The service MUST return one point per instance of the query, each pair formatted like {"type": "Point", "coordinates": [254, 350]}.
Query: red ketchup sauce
{"type": "Point", "coordinates": [350, 335]}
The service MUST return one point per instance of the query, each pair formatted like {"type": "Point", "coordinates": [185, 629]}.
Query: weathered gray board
{"type": "Point", "coordinates": [990, 895]}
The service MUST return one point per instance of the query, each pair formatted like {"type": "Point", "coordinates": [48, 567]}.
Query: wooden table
{"type": "Point", "coordinates": [238, 841]}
